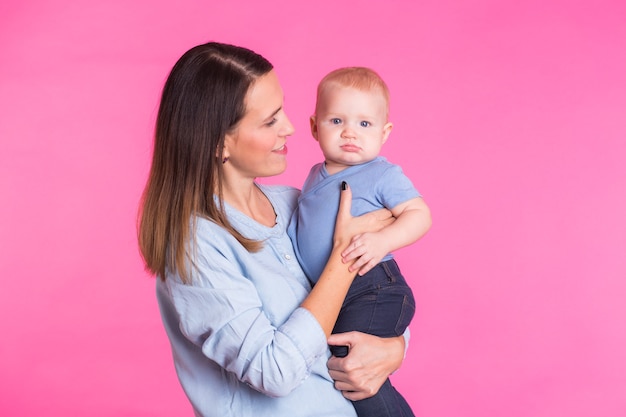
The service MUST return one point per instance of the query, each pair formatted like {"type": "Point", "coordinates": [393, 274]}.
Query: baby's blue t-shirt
{"type": "Point", "coordinates": [375, 184]}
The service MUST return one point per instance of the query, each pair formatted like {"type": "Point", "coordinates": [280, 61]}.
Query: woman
{"type": "Point", "coordinates": [248, 334]}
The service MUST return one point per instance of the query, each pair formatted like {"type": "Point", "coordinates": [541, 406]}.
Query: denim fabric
{"type": "Point", "coordinates": [387, 402]}
{"type": "Point", "coordinates": [379, 303]}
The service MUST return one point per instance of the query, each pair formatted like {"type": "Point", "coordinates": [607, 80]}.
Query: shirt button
{"type": "Point", "coordinates": [288, 257]}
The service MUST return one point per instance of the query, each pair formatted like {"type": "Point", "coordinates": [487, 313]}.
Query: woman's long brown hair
{"type": "Point", "coordinates": [202, 100]}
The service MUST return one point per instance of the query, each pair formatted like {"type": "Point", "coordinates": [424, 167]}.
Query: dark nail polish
{"type": "Point", "coordinates": [344, 185]}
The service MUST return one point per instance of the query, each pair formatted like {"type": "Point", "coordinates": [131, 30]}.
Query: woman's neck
{"type": "Point", "coordinates": [250, 200]}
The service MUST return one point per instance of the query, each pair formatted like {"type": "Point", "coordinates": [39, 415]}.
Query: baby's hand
{"type": "Point", "coordinates": [367, 250]}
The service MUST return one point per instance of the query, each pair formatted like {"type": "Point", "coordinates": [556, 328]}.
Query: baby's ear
{"type": "Point", "coordinates": [313, 122]}
{"type": "Point", "coordinates": [386, 131]}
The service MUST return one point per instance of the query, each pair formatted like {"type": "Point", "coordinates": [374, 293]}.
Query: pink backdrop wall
{"type": "Point", "coordinates": [509, 116]}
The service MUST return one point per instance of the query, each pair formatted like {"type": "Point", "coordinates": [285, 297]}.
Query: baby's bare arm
{"type": "Point", "coordinates": [412, 222]}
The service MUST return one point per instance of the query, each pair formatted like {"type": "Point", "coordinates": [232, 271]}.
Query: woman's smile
{"type": "Point", "coordinates": [282, 150]}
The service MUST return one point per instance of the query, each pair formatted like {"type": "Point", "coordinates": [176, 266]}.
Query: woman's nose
{"type": "Point", "coordinates": [288, 128]}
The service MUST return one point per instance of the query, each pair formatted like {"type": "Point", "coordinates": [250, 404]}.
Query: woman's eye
{"type": "Point", "coordinates": [335, 121]}
{"type": "Point", "coordinates": [365, 124]}
{"type": "Point", "coordinates": [272, 122]}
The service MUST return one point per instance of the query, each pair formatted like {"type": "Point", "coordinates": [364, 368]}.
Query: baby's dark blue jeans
{"type": "Point", "coordinates": [379, 303]}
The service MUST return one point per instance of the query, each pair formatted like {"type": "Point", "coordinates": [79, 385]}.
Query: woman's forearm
{"type": "Point", "coordinates": [326, 297]}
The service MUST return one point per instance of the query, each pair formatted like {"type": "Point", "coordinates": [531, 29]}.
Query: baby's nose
{"type": "Point", "coordinates": [347, 133]}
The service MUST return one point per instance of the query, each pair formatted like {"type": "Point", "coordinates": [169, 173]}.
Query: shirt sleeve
{"type": "Point", "coordinates": [222, 312]}
{"type": "Point", "coordinates": [394, 187]}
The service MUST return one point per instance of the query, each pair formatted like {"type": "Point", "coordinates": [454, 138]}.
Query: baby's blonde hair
{"type": "Point", "coordinates": [361, 78]}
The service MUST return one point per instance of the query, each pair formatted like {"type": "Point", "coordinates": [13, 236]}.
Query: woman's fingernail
{"type": "Point", "coordinates": [344, 185]}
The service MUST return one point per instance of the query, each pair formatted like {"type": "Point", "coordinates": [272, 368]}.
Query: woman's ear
{"type": "Point", "coordinates": [228, 138]}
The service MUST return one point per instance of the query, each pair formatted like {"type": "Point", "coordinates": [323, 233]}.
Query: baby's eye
{"type": "Point", "coordinates": [335, 120]}
{"type": "Point", "coordinates": [365, 124]}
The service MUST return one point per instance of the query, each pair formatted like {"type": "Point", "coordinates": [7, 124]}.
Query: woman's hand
{"type": "Point", "coordinates": [369, 363]}
{"type": "Point", "coordinates": [349, 229]}
{"type": "Point", "coordinates": [347, 226]}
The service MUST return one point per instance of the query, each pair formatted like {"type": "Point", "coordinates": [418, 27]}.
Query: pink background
{"type": "Point", "coordinates": [509, 116]}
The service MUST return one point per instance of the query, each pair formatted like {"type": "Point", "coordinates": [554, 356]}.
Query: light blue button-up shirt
{"type": "Point", "coordinates": [242, 346]}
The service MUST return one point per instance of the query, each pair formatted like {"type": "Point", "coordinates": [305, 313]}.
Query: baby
{"type": "Point", "coordinates": [351, 125]}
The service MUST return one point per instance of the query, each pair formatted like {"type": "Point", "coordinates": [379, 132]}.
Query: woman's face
{"type": "Point", "coordinates": [257, 146]}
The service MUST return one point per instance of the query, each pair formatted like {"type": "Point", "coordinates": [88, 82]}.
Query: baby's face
{"type": "Point", "coordinates": [350, 125]}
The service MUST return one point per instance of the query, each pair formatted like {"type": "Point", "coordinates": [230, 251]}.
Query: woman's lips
{"type": "Point", "coordinates": [282, 150]}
